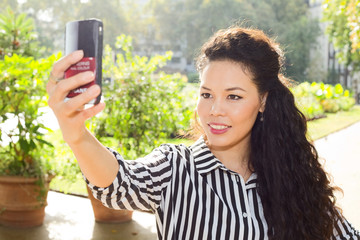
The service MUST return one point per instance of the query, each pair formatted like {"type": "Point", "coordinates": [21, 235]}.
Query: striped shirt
{"type": "Point", "coordinates": [193, 195]}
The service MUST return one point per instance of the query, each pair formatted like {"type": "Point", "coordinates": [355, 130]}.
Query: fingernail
{"type": "Point", "coordinates": [93, 89]}
{"type": "Point", "coordinates": [78, 53]}
{"type": "Point", "coordinates": [89, 75]}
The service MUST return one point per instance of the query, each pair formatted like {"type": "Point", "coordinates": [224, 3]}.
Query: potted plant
{"type": "Point", "coordinates": [25, 167]}
{"type": "Point", "coordinates": [25, 170]}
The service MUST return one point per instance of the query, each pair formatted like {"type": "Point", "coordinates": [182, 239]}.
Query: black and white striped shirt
{"type": "Point", "coordinates": [193, 195]}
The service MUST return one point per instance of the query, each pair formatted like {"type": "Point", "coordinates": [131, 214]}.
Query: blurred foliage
{"type": "Point", "coordinates": [17, 34]}
{"type": "Point", "coordinates": [181, 25]}
{"type": "Point", "coordinates": [315, 99]}
{"type": "Point", "coordinates": [343, 29]}
{"type": "Point", "coordinates": [193, 77]}
{"type": "Point", "coordinates": [24, 150]}
{"type": "Point", "coordinates": [143, 104]}
{"type": "Point", "coordinates": [51, 16]}
{"type": "Point", "coordinates": [193, 21]}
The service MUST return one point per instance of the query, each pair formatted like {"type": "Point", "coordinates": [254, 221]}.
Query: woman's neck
{"type": "Point", "coordinates": [235, 158]}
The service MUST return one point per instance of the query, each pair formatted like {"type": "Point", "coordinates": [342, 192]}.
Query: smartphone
{"type": "Point", "coordinates": [86, 35]}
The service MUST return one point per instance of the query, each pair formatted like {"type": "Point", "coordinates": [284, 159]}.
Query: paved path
{"type": "Point", "coordinates": [71, 218]}
{"type": "Point", "coordinates": [341, 151]}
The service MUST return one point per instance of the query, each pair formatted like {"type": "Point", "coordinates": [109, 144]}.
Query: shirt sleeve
{"type": "Point", "coordinates": [139, 183]}
{"type": "Point", "coordinates": [344, 230]}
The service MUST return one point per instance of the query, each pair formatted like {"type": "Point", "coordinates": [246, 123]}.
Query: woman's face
{"type": "Point", "coordinates": [228, 105]}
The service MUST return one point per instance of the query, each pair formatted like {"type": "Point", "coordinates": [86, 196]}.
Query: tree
{"type": "Point", "coordinates": [17, 34]}
{"type": "Point", "coordinates": [343, 29]}
{"type": "Point", "coordinates": [289, 23]}
{"type": "Point", "coordinates": [193, 21]}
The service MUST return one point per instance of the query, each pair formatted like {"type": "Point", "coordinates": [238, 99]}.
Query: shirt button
{"type": "Point", "coordinates": [245, 215]}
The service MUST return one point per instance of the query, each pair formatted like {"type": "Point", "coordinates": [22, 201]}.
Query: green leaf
{"type": "Point", "coordinates": [24, 145]}
{"type": "Point", "coordinates": [32, 144]}
{"type": "Point", "coordinates": [44, 142]}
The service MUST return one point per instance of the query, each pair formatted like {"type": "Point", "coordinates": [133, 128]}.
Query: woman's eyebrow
{"type": "Point", "coordinates": [227, 89]}
{"type": "Point", "coordinates": [235, 88]}
{"type": "Point", "coordinates": [206, 88]}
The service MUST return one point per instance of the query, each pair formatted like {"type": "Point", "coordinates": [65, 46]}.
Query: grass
{"type": "Point", "coordinates": [332, 123]}
{"type": "Point", "coordinates": [317, 129]}
{"type": "Point", "coordinates": [77, 187]}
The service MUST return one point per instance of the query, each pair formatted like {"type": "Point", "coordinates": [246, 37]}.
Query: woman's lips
{"type": "Point", "coordinates": [217, 128]}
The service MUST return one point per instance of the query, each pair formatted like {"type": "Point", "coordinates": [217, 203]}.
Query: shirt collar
{"type": "Point", "coordinates": [251, 182]}
{"type": "Point", "coordinates": [205, 162]}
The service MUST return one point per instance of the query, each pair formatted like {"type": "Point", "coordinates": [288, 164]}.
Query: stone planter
{"type": "Point", "coordinates": [106, 215]}
{"type": "Point", "coordinates": [22, 201]}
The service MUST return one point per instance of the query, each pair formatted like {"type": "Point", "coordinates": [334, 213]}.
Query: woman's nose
{"type": "Point", "coordinates": [217, 108]}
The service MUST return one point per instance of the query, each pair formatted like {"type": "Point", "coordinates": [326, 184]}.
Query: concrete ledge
{"type": "Point", "coordinates": [71, 218]}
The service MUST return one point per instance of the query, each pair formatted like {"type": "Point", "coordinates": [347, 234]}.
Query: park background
{"type": "Point", "coordinates": [148, 70]}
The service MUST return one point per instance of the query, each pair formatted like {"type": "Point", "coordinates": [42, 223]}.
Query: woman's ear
{"type": "Point", "coordinates": [263, 102]}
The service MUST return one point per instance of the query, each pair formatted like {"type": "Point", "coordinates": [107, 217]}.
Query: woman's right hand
{"type": "Point", "coordinates": [71, 115]}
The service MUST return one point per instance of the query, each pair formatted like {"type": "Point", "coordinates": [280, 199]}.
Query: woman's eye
{"type": "Point", "coordinates": [234, 97]}
{"type": "Point", "coordinates": [205, 95]}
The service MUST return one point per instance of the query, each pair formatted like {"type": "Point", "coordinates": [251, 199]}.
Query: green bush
{"type": "Point", "coordinates": [22, 95]}
{"type": "Point", "coordinates": [333, 98]}
{"type": "Point", "coordinates": [143, 104]}
{"type": "Point", "coordinates": [310, 107]}
{"type": "Point", "coordinates": [346, 103]}
{"type": "Point", "coordinates": [330, 105]}
{"type": "Point", "coordinates": [315, 99]}
{"type": "Point", "coordinates": [307, 101]}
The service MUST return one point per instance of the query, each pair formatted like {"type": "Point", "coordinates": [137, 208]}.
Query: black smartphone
{"type": "Point", "coordinates": [86, 35]}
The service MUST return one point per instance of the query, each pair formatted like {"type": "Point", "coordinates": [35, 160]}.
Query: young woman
{"type": "Point", "coordinates": [251, 175]}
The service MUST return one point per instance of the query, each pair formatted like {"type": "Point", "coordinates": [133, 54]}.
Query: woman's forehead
{"type": "Point", "coordinates": [226, 74]}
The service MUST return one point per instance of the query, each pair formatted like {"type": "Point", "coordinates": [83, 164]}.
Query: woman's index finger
{"type": "Point", "coordinates": [64, 63]}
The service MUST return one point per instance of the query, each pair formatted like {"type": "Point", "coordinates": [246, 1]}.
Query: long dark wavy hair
{"type": "Point", "coordinates": [295, 191]}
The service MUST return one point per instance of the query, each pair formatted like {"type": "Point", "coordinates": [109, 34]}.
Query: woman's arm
{"type": "Point", "coordinates": [139, 184]}
{"type": "Point", "coordinates": [96, 162]}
